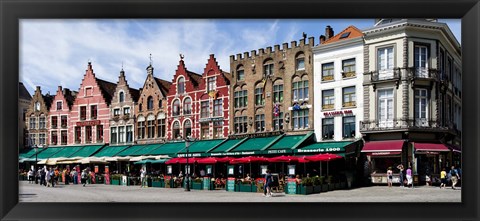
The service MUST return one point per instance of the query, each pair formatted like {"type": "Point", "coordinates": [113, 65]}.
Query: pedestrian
{"type": "Point", "coordinates": [400, 167]}
{"type": "Point", "coordinates": [48, 177]}
{"type": "Point", "coordinates": [409, 177]}
{"type": "Point", "coordinates": [455, 177]}
{"type": "Point", "coordinates": [268, 184]}
{"type": "Point", "coordinates": [143, 174]}
{"type": "Point", "coordinates": [52, 177]}
{"type": "Point", "coordinates": [443, 178]}
{"type": "Point", "coordinates": [389, 176]}
{"type": "Point", "coordinates": [43, 173]}
{"type": "Point", "coordinates": [30, 176]}
{"type": "Point", "coordinates": [84, 177]}
{"type": "Point", "coordinates": [57, 175]}
{"type": "Point", "coordinates": [75, 176]}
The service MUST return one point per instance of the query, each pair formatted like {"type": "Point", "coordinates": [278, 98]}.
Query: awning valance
{"type": "Point", "coordinates": [391, 146]}
{"type": "Point", "coordinates": [430, 147]}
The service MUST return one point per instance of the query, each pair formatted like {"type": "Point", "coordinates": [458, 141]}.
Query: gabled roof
{"type": "Point", "coordinates": [107, 88]}
{"type": "Point", "coordinates": [69, 96]}
{"type": "Point", "coordinates": [195, 78]}
{"type": "Point", "coordinates": [23, 93]}
{"type": "Point", "coordinates": [228, 77]}
{"type": "Point", "coordinates": [163, 85]}
{"type": "Point", "coordinates": [48, 99]}
{"type": "Point", "coordinates": [349, 33]}
{"type": "Point", "coordinates": [134, 93]}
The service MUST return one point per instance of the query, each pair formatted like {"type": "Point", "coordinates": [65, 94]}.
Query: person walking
{"type": "Point", "coordinates": [268, 184]}
{"type": "Point", "coordinates": [401, 168]}
{"type": "Point", "coordinates": [443, 178]}
{"type": "Point", "coordinates": [455, 177]}
{"type": "Point", "coordinates": [48, 177]}
{"type": "Point", "coordinates": [43, 173]}
{"type": "Point", "coordinates": [30, 176]}
{"type": "Point", "coordinates": [389, 176]}
{"type": "Point", "coordinates": [52, 177]}
{"type": "Point", "coordinates": [409, 177]}
{"type": "Point", "coordinates": [75, 176]}
{"type": "Point", "coordinates": [84, 177]}
{"type": "Point", "coordinates": [143, 174]}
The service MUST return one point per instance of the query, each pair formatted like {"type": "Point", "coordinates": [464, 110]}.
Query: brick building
{"type": "Point", "coordinates": [37, 116]}
{"type": "Point", "coordinates": [90, 114]}
{"type": "Point", "coordinates": [122, 112]}
{"type": "Point", "coordinates": [272, 90]}
{"type": "Point", "coordinates": [59, 116]}
{"type": "Point", "coordinates": [150, 113]}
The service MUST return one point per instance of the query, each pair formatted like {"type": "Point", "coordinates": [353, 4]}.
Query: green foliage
{"type": "Point", "coordinates": [198, 180]}
{"type": "Point", "coordinates": [316, 181]}
{"type": "Point", "coordinates": [307, 181]}
{"type": "Point", "coordinates": [116, 176]}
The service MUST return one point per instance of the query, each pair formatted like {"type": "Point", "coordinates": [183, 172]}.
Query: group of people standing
{"type": "Point", "coordinates": [45, 176]}
{"type": "Point", "coordinates": [453, 175]}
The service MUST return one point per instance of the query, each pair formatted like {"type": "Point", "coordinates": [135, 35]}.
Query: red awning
{"type": "Point", "coordinates": [383, 146]}
{"type": "Point", "coordinates": [431, 147]}
{"type": "Point", "coordinates": [323, 157]}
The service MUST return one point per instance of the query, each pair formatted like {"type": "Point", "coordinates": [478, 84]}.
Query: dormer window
{"type": "Point", "coordinates": [59, 105]}
{"type": "Point", "coordinates": [121, 96]}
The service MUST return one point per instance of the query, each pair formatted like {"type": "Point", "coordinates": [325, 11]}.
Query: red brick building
{"type": "Point", "coordinates": [90, 114]}
{"type": "Point", "coordinates": [198, 104]}
{"type": "Point", "coordinates": [60, 116]}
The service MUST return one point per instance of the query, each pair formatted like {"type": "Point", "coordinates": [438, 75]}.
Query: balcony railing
{"type": "Point", "coordinates": [396, 124]}
{"type": "Point", "coordinates": [422, 72]}
{"type": "Point", "coordinates": [383, 75]}
{"type": "Point", "coordinates": [349, 74]}
{"type": "Point", "coordinates": [349, 104]}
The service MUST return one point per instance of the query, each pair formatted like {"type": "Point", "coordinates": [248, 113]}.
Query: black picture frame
{"type": "Point", "coordinates": [11, 11]}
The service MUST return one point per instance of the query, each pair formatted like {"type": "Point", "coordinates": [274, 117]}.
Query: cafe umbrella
{"type": "Point", "coordinates": [323, 157]}
{"type": "Point", "coordinates": [283, 159]}
{"type": "Point", "coordinates": [249, 160]}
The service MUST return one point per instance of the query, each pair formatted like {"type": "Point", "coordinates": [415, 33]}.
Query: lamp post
{"type": "Point", "coordinates": [188, 139]}
{"type": "Point", "coordinates": [36, 159]}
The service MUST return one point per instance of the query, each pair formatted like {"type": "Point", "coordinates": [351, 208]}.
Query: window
{"type": "Point", "coordinates": [217, 129]}
{"type": "Point", "coordinates": [88, 91]}
{"type": "Point", "coordinates": [259, 99]}
{"type": "Point", "coordinates": [211, 83]}
{"type": "Point", "coordinates": [421, 62]}
{"type": "Point", "coordinates": [129, 134]}
{"type": "Point", "coordinates": [217, 108]}
{"type": "Point", "coordinates": [41, 139]}
{"type": "Point", "coordinates": [187, 106]}
{"type": "Point", "coordinates": [441, 64]}
{"type": "Point", "coordinates": [268, 68]}
{"type": "Point", "coordinates": [327, 72]}
{"type": "Point", "coordinates": [385, 62]}
{"type": "Point", "coordinates": [278, 93]}
{"type": "Point", "coordinates": [421, 107]}
{"type": "Point", "coordinates": [116, 112]}
{"type": "Point", "coordinates": [64, 137]}
{"type": "Point", "coordinates": [349, 127]}
{"type": "Point", "coordinates": [181, 85]}
{"type": "Point", "coordinates": [83, 112]}
{"type": "Point", "coordinates": [63, 121]}
{"type": "Point", "coordinates": [41, 123]}
{"type": "Point", "coordinates": [88, 134]}
{"type": "Point", "coordinates": [327, 128]}
{"type": "Point", "coordinates": [205, 109]}
{"type": "Point", "coordinates": [300, 62]}
{"type": "Point", "coordinates": [141, 130]}
{"type": "Point", "coordinates": [78, 134]}
{"type": "Point", "coordinates": [176, 107]}
{"type": "Point", "coordinates": [349, 98]}
{"type": "Point", "coordinates": [150, 103]}
{"type": "Point", "coordinates": [348, 67]}
{"type": "Point", "coordinates": [113, 136]}
{"type": "Point", "coordinates": [300, 119]}
{"type": "Point", "coordinates": [121, 96]}
{"type": "Point", "coordinates": [187, 127]}
{"type": "Point", "coordinates": [140, 107]}
{"type": "Point", "coordinates": [126, 111]}
{"type": "Point", "coordinates": [33, 138]}
{"type": "Point", "coordinates": [161, 128]}
{"type": "Point", "coordinates": [33, 123]}
{"type": "Point", "coordinates": [328, 99]}
{"type": "Point", "coordinates": [176, 130]}
{"type": "Point", "coordinates": [259, 122]}
{"type": "Point", "coordinates": [278, 121]}
{"type": "Point", "coordinates": [99, 133]}
{"type": "Point", "coordinates": [150, 129]}
{"type": "Point", "coordinates": [240, 99]}
{"type": "Point", "coordinates": [93, 112]}
{"type": "Point", "coordinates": [121, 134]}
{"type": "Point", "coordinates": [160, 104]}
{"type": "Point", "coordinates": [205, 129]}
{"type": "Point", "coordinates": [59, 105]}
{"type": "Point", "coordinates": [37, 106]}
{"type": "Point", "coordinates": [240, 74]}
{"type": "Point", "coordinates": [385, 107]}
{"type": "Point", "coordinates": [300, 89]}
{"type": "Point", "coordinates": [240, 124]}
{"type": "Point", "coordinates": [54, 138]}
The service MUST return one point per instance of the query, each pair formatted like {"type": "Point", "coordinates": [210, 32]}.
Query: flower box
{"type": "Point", "coordinates": [196, 186]}
{"type": "Point", "coordinates": [304, 190]}
{"type": "Point", "coordinates": [246, 187]}
{"type": "Point", "coordinates": [115, 182]}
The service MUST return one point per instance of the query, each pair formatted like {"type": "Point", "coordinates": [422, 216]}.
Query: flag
{"type": "Point", "coordinates": [276, 110]}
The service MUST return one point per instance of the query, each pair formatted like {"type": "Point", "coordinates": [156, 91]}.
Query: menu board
{"type": "Point", "coordinates": [231, 184]}
{"type": "Point", "coordinates": [230, 170]}
{"type": "Point", "coordinates": [206, 183]}
{"type": "Point", "coordinates": [291, 170]}
{"type": "Point", "coordinates": [169, 169]}
{"type": "Point", "coordinates": [291, 186]}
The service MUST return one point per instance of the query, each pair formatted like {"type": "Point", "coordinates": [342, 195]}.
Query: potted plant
{"type": "Point", "coordinates": [197, 183]}
{"type": "Point", "coordinates": [306, 187]}
{"type": "Point", "coordinates": [157, 182]}
{"type": "Point", "coordinates": [115, 179]}
{"type": "Point", "coordinates": [245, 186]}
{"type": "Point", "coordinates": [317, 185]}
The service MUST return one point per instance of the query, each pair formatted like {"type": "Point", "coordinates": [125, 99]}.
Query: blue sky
{"type": "Point", "coordinates": [56, 52]}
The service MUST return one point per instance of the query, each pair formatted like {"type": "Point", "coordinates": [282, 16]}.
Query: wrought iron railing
{"type": "Point", "coordinates": [422, 73]}
{"type": "Point", "coordinates": [382, 75]}
{"type": "Point", "coordinates": [396, 124]}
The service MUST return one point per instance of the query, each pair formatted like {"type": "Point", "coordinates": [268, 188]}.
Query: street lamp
{"type": "Point", "coordinates": [36, 159]}
{"type": "Point", "coordinates": [188, 139]}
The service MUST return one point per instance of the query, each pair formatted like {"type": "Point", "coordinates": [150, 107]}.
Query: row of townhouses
{"type": "Point", "coordinates": [395, 87]}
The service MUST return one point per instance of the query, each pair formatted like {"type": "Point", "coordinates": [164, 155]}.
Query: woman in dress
{"type": "Point", "coordinates": [389, 176]}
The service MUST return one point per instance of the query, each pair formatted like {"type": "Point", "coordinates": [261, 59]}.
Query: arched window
{"type": "Point", "coordinates": [300, 88]}
{"type": "Point", "coordinates": [260, 120]}
{"type": "Point", "coordinates": [187, 128]}
{"type": "Point", "coordinates": [176, 107]}
{"type": "Point", "coordinates": [150, 103]}
{"type": "Point", "coordinates": [175, 130]}
{"type": "Point", "coordinates": [121, 96]}
{"type": "Point", "coordinates": [268, 67]}
{"type": "Point", "coordinates": [278, 91]}
{"type": "Point", "coordinates": [240, 73]}
{"type": "Point", "coordinates": [187, 106]}
{"type": "Point", "coordinates": [259, 94]}
{"type": "Point", "coordinates": [241, 97]}
{"type": "Point", "coordinates": [181, 85]}
{"type": "Point", "coordinates": [300, 61]}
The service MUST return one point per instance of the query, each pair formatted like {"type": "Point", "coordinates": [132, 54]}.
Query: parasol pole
{"type": "Point", "coordinates": [320, 168]}
{"type": "Point", "coordinates": [327, 165]}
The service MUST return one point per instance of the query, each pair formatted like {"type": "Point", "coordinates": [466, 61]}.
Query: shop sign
{"type": "Point", "coordinates": [386, 153]}
{"type": "Point", "coordinates": [320, 150]}
{"type": "Point", "coordinates": [88, 123]}
{"type": "Point", "coordinates": [276, 151]}
{"type": "Point", "coordinates": [231, 184]}
{"type": "Point", "coordinates": [235, 153]}
{"type": "Point", "coordinates": [190, 155]}
{"type": "Point", "coordinates": [337, 113]}
{"type": "Point", "coordinates": [254, 135]}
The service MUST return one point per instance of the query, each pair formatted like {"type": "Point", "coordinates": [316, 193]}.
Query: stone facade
{"type": "Point", "coordinates": [272, 90]}
{"type": "Point", "coordinates": [37, 118]}
{"type": "Point", "coordinates": [59, 116]}
{"type": "Point", "coordinates": [151, 111]}
{"type": "Point", "coordinates": [122, 112]}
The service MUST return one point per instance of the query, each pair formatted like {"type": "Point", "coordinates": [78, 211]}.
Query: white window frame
{"type": "Point", "coordinates": [421, 70]}
{"type": "Point", "coordinates": [418, 99]}
{"type": "Point", "coordinates": [387, 72]}
{"type": "Point", "coordinates": [387, 122]}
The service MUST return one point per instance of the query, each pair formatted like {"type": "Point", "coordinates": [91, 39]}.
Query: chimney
{"type": "Point", "coordinates": [328, 32]}
{"type": "Point", "coordinates": [59, 88]}
{"type": "Point", "coordinates": [38, 88]}
{"type": "Point", "coordinates": [322, 39]}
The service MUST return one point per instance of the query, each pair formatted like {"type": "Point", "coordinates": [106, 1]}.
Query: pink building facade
{"type": "Point", "coordinates": [59, 116]}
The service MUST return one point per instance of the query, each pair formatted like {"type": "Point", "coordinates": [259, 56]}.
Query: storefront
{"type": "Point", "coordinates": [430, 159]}
{"type": "Point", "coordinates": [380, 156]}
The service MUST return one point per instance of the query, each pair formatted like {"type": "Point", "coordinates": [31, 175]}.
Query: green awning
{"type": "Point", "coordinates": [287, 142]}
{"type": "Point", "coordinates": [226, 145]}
{"type": "Point", "coordinates": [168, 149]}
{"type": "Point", "coordinates": [254, 144]}
{"type": "Point", "coordinates": [29, 153]}
{"type": "Point", "coordinates": [146, 149]}
{"type": "Point", "coordinates": [324, 147]}
{"type": "Point", "coordinates": [129, 151]}
{"type": "Point", "coordinates": [66, 152]}
{"type": "Point", "coordinates": [48, 152]}
{"type": "Point", "coordinates": [152, 161]}
{"type": "Point", "coordinates": [201, 146]}
{"type": "Point", "coordinates": [110, 151]}
{"type": "Point", "coordinates": [86, 151]}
